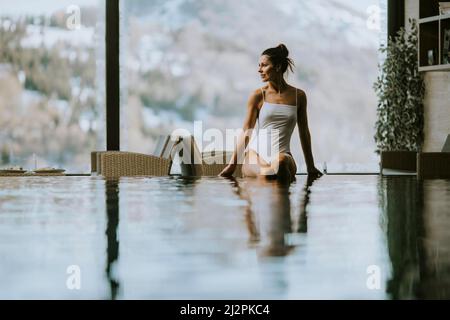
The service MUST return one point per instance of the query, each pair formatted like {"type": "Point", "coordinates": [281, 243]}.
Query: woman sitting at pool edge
{"type": "Point", "coordinates": [276, 106]}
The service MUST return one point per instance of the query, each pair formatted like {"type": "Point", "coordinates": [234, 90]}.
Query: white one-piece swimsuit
{"type": "Point", "coordinates": [276, 122]}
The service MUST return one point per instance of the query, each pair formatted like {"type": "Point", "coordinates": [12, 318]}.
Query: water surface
{"type": "Point", "coordinates": [338, 237]}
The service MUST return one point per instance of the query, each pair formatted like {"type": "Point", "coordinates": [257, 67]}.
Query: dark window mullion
{"type": "Point", "coordinates": [396, 16]}
{"type": "Point", "coordinates": [112, 76]}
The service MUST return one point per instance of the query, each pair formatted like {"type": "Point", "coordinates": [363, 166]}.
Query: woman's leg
{"type": "Point", "coordinates": [283, 168]}
{"type": "Point", "coordinates": [287, 168]}
{"type": "Point", "coordinates": [253, 164]}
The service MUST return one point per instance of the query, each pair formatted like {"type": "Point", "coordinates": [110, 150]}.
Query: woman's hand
{"type": "Point", "coordinates": [314, 172]}
{"type": "Point", "coordinates": [228, 171]}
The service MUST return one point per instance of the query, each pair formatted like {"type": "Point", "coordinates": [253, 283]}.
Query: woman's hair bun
{"type": "Point", "coordinates": [284, 52]}
{"type": "Point", "coordinates": [279, 56]}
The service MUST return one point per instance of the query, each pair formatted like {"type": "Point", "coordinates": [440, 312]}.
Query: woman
{"type": "Point", "coordinates": [277, 107]}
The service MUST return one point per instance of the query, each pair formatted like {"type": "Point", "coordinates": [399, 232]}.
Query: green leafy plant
{"type": "Point", "coordinates": [400, 89]}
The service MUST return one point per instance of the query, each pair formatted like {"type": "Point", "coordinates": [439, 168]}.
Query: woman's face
{"type": "Point", "coordinates": [266, 69]}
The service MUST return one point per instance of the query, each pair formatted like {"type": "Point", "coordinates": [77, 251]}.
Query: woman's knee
{"type": "Point", "coordinates": [284, 161]}
{"type": "Point", "coordinates": [282, 165]}
{"type": "Point", "coordinates": [286, 165]}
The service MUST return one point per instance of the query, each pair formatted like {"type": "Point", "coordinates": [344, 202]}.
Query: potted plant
{"type": "Point", "coordinates": [400, 89]}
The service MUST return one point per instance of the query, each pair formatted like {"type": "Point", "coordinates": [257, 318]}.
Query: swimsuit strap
{"type": "Point", "coordinates": [257, 117]}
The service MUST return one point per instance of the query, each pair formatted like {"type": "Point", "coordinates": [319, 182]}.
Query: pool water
{"type": "Point", "coordinates": [338, 237]}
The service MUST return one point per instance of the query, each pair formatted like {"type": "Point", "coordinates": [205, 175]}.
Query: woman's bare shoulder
{"type": "Point", "coordinates": [300, 92]}
{"type": "Point", "coordinates": [256, 97]}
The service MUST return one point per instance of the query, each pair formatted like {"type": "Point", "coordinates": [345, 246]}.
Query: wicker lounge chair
{"type": "Point", "coordinates": [206, 164]}
{"type": "Point", "coordinates": [215, 161]}
{"type": "Point", "coordinates": [114, 164]}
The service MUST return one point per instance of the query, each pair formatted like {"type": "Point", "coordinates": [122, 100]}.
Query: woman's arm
{"type": "Point", "coordinates": [253, 103]}
{"type": "Point", "coordinates": [305, 136]}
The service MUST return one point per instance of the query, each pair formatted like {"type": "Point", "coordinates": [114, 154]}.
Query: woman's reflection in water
{"type": "Point", "coordinates": [268, 213]}
{"type": "Point", "coordinates": [303, 216]}
{"type": "Point", "coordinates": [112, 223]}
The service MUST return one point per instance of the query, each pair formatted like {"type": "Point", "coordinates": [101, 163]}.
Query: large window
{"type": "Point", "coordinates": [51, 83]}
{"type": "Point", "coordinates": [185, 61]}
{"type": "Point", "coordinates": [182, 61]}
